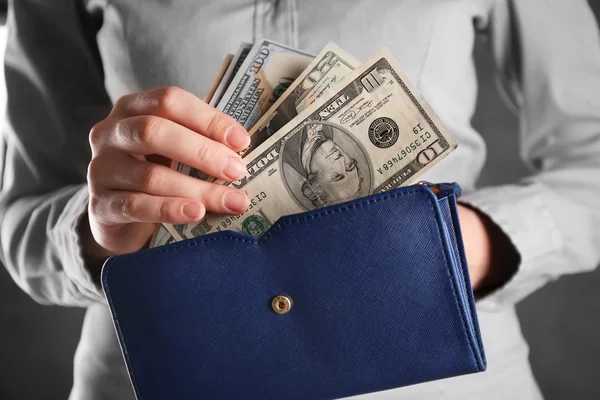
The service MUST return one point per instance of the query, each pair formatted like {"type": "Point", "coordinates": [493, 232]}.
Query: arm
{"type": "Point", "coordinates": [51, 246]}
{"type": "Point", "coordinates": [552, 216]}
{"type": "Point", "coordinates": [55, 93]}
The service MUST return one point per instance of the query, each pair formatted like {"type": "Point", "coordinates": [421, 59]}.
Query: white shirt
{"type": "Point", "coordinates": [68, 61]}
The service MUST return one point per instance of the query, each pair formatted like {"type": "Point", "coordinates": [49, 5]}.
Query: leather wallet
{"type": "Point", "coordinates": [358, 297]}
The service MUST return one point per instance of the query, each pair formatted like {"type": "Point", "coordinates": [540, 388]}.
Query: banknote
{"type": "Point", "coordinates": [233, 68]}
{"type": "Point", "coordinates": [161, 237]}
{"type": "Point", "coordinates": [328, 68]}
{"type": "Point", "coordinates": [218, 78]}
{"type": "Point", "coordinates": [266, 73]}
{"type": "Point", "coordinates": [372, 133]}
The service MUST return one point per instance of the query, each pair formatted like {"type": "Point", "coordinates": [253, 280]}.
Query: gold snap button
{"type": "Point", "coordinates": [281, 304]}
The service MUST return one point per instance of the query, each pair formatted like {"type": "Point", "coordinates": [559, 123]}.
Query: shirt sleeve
{"type": "Point", "coordinates": [548, 52]}
{"type": "Point", "coordinates": [55, 94]}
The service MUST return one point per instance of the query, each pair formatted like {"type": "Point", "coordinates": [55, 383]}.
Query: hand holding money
{"type": "Point", "coordinates": [371, 133]}
{"type": "Point", "coordinates": [129, 195]}
{"type": "Point", "coordinates": [335, 135]}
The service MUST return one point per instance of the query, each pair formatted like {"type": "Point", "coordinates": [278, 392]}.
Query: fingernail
{"type": "Point", "coordinates": [192, 211]}
{"type": "Point", "coordinates": [237, 138]}
{"type": "Point", "coordinates": [234, 201]}
{"type": "Point", "coordinates": [235, 168]}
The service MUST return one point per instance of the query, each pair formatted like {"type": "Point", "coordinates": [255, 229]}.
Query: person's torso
{"type": "Point", "coordinates": [182, 43]}
{"type": "Point", "coordinates": [150, 43]}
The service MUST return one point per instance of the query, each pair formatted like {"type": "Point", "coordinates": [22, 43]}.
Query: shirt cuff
{"type": "Point", "coordinates": [70, 249]}
{"type": "Point", "coordinates": [521, 213]}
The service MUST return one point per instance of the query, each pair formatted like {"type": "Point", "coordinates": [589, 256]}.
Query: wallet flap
{"type": "Point", "coordinates": [379, 299]}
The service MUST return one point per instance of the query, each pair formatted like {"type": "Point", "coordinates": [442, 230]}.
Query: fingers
{"type": "Point", "coordinates": [115, 207]}
{"type": "Point", "coordinates": [154, 135]}
{"type": "Point", "coordinates": [185, 109]}
{"type": "Point", "coordinates": [175, 124]}
{"type": "Point", "coordinates": [122, 172]}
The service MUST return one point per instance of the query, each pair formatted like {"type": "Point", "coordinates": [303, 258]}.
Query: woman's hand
{"type": "Point", "coordinates": [491, 256]}
{"type": "Point", "coordinates": [129, 195]}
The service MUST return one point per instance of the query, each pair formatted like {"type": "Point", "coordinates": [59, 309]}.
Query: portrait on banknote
{"type": "Point", "coordinates": [325, 165]}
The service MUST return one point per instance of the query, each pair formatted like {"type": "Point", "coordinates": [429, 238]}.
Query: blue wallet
{"type": "Point", "coordinates": [358, 297]}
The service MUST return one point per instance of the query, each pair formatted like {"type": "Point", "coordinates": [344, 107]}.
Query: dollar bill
{"type": "Point", "coordinates": [218, 78]}
{"type": "Point", "coordinates": [155, 235]}
{"type": "Point", "coordinates": [233, 68]}
{"type": "Point", "coordinates": [161, 238]}
{"type": "Point", "coordinates": [265, 74]}
{"type": "Point", "coordinates": [373, 133]}
{"type": "Point", "coordinates": [328, 68]}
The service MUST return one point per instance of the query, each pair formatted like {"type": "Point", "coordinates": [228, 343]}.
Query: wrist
{"type": "Point", "coordinates": [491, 257]}
{"type": "Point", "coordinates": [94, 255]}
{"type": "Point", "coordinates": [90, 247]}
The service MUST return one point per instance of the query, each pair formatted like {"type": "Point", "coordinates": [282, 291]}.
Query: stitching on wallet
{"type": "Point", "coordinates": [462, 316]}
{"type": "Point", "coordinates": [281, 225]}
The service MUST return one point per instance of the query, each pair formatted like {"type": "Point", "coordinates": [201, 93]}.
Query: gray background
{"type": "Point", "coordinates": [561, 321]}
